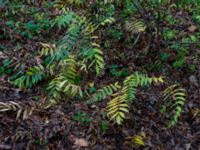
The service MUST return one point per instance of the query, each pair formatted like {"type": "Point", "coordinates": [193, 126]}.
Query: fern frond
{"type": "Point", "coordinates": [103, 93]}
{"type": "Point", "coordinates": [54, 90]}
{"type": "Point", "coordinates": [131, 83]}
{"type": "Point", "coordinates": [116, 109]}
{"type": "Point", "coordinates": [96, 55]}
{"type": "Point", "coordinates": [77, 2]}
{"type": "Point", "coordinates": [68, 88]}
{"type": "Point", "coordinates": [174, 98]}
{"type": "Point", "coordinates": [23, 110]}
{"type": "Point", "coordinates": [129, 88]}
{"type": "Point", "coordinates": [86, 25]}
{"type": "Point", "coordinates": [69, 40]}
{"type": "Point", "coordinates": [135, 26]}
{"type": "Point", "coordinates": [137, 140]}
{"type": "Point", "coordinates": [64, 20]}
{"type": "Point", "coordinates": [107, 21]}
{"type": "Point", "coordinates": [68, 68]}
{"type": "Point", "coordinates": [47, 49]}
{"type": "Point", "coordinates": [112, 1]}
{"type": "Point", "coordinates": [61, 85]}
{"type": "Point", "coordinates": [32, 77]}
{"type": "Point", "coordinates": [127, 94]}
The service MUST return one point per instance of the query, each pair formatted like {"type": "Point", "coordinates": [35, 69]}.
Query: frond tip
{"type": "Point", "coordinates": [137, 140]}
{"type": "Point", "coordinates": [174, 98]}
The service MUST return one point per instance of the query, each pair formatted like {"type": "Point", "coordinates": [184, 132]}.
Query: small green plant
{"type": "Point", "coordinates": [81, 117]}
{"type": "Point", "coordinates": [91, 88]}
{"type": "Point", "coordinates": [104, 126]}
{"type": "Point", "coordinates": [5, 68]}
{"type": "Point", "coordinates": [192, 68]}
{"type": "Point", "coordinates": [169, 34]}
{"type": "Point", "coordinates": [179, 63]}
{"type": "Point", "coordinates": [116, 71]}
{"type": "Point", "coordinates": [41, 142]}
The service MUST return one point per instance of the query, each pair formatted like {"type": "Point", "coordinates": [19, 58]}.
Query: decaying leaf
{"type": "Point", "coordinates": [192, 28]}
{"type": "Point", "coordinates": [80, 142]}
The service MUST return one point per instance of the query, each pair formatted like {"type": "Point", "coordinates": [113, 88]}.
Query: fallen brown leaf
{"type": "Point", "coordinates": [192, 28]}
{"type": "Point", "coordinates": [81, 142]}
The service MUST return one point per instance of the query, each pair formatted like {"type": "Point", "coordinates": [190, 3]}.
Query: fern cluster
{"type": "Point", "coordinates": [64, 82]}
{"type": "Point", "coordinates": [76, 50]}
{"type": "Point", "coordinates": [123, 95]}
{"type": "Point", "coordinates": [66, 57]}
{"type": "Point", "coordinates": [128, 93]}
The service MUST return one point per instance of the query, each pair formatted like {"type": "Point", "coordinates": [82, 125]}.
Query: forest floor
{"type": "Point", "coordinates": [58, 128]}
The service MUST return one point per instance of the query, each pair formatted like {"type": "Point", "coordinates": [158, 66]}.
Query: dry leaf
{"type": "Point", "coordinates": [192, 28]}
{"type": "Point", "coordinates": [81, 142]}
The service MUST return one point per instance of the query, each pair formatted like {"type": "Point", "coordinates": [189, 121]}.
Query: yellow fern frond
{"type": "Point", "coordinates": [107, 21]}
{"type": "Point", "coordinates": [97, 59]}
{"type": "Point", "coordinates": [135, 26]}
{"type": "Point", "coordinates": [117, 108]}
{"type": "Point", "coordinates": [158, 79]}
{"type": "Point", "coordinates": [174, 98]}
{"type": "Point", "coordinates": [47, 49]}
{"type": "Point", "coordinates": [137, 140]}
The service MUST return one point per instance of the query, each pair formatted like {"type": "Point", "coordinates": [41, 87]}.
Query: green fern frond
{"type": "Point", "coordinates": [135, 26]}
{"type": "Point", "coordinates": [116, 109]}
{"type": "Point", "coordinates": [31, 78]}
{"type": "Point", "coordinates": [174, 98]}
{"type": "Point", "coordinates": [64, 20]}
{"type": "Point", "coordinates": [68, 42]}
{"type": "Point", "coordinates": [103, 93]}
{"type": "Point", "coordinates": [129, 88]}
{"type": "Point", "coordinates": [64, 46]}
{"type": "Point", "coordinates": [132, 82]}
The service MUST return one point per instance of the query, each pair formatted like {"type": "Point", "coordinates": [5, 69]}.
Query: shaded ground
{"type": "Point", "coordinates": [56, 128]}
